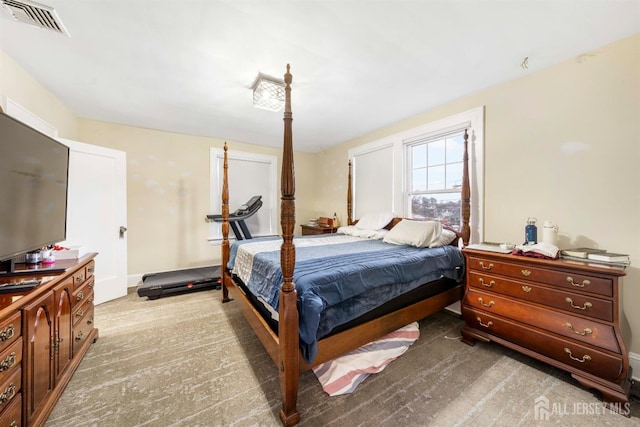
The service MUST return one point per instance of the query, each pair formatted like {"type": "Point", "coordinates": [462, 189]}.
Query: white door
{"type": "Point", "coordinates": [97, 213]}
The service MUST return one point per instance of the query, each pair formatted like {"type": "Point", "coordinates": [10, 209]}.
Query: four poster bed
{"type": "Point", "coordinates": [323, 314]}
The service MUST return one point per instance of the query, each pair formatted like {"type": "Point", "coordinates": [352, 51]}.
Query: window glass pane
{"type": "Point", "coordinates": [455, 148]}
{"type": "Point", "coordinates": [443, 207]}
{"type": "Point", "coordinates": [419, 179]}
{"type": "Point", "coordinates": [435, 179]}
{"type": "Point", "coordinates": [436, 152]}
{"type": "Point", "coordinates": [454, 175]}
{"type": "Point", "coordinates": [419, 156]}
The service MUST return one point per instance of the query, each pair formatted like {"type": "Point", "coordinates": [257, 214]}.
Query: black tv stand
{"type": "Point", "coordinates": [8, 266]}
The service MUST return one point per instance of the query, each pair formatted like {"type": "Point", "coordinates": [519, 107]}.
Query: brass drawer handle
{"type": "Point", "coordinates": [579, 285]}
{"type": "Point", "coordinates": [79, 336]}
{"type": "Point", "coordinates": [488, 285]}
{"type": "Point", "coordinates": [8, 363]}
{"type": "Point", "coordinates": [486, 325]}
{"type": "Point", "coordinates": [585, 331]}
{"type": "Point", "coordinates": [80, 277]}
{"type": "Point", "coordinates": [526, 288]}
{"type": "Point", "coordinates": [489, 267]}
{"type": "Point", "coordinates": [489, 304]}
{"type": "Point", "coordinates": [90, 320]}
{"type": "Point", "coordinates": [91, 269]}
{"type": "Point", "coordinates": [525, 273]}
{"type": "Point", "coordinates": [80, 313]}
{"type": "Point", "coordinates": [584, 306]}
{"type": "Point", "coordinates": [14, 423]}
{"type": "Point", "coordinates": [8, 394]}
{"type": "Point", "coordinates": [7, 333]}
{"type": "Point", "coordinates": [584, 358]}
{"type": "Point", "coordinates": [79, 296]}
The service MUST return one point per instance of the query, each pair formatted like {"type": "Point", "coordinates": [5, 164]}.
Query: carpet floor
{"type": "Point", "coordinates": [189, 360]}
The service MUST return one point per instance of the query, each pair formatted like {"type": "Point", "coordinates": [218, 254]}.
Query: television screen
{"type": "Point", "coordinates": [33, 188]}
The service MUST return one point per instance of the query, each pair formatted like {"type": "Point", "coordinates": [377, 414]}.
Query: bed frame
{"type": "Point", "coordinates": [283, 346]}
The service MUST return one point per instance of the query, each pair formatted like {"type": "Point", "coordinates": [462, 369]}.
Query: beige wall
{"type": "Point", "coordinates": [168, 192]}
{"type": "Point", "coordinates": [22, 88]}
{"type": "Point", "coordinates": [561, 144]}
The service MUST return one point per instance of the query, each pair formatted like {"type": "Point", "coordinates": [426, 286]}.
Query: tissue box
{"type": "Point", "coordinates": [72, 252]}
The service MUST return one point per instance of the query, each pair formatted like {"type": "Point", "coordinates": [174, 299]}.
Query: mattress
{"type": "Point", "coordinates": [339, 278]}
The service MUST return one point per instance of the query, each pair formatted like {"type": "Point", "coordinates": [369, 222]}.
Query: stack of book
{"type": "Point", "coordinates": [593, 254]}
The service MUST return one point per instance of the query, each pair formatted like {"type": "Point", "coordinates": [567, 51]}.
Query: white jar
{"type": "Point", "coordinates": [550, 233]}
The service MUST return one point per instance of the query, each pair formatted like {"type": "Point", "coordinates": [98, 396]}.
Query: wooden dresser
{"type": "Point", "coordinates": [44, 334]}
{"type": "Point", "coordinates": [562, 312]}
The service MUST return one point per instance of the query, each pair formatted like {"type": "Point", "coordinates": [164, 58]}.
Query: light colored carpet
{"type": "Point", "coordinates": [189, 360]}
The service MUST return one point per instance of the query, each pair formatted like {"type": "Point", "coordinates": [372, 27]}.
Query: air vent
{"type": "Point", "coordinates": [35, 14]}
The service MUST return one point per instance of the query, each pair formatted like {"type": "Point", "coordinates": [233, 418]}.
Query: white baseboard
{"type": "Point", "coordinates": [133, 280]}
{"type": "Point", "coordinates": [634, 362]}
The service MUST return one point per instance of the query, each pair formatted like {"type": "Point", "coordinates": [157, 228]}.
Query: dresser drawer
{"type": "Point", "coordinates": [10, 387]}
{"type": "Point", "coordinates": [568, 280]}
{"type": "Point", "coordinates": [83, 293]}
{"type": "Point", "coordinates": [79, 277]}
{"type": "Point", "coordinates": [11, 416]}
{"type": "Point", "coordinates": [578, 328]}
{"type": "Point", "coordinates": [577, 356]}
{"type": "Point", "coordinates": [10, 358]}
{"type": "Point", "coordinates": [81, 308]}
{"type": "Point", "coordinates": [82, 330]}
{"type": "Point", "coordinates": [10, 330]}
{"type": "Point", "coordinates": [595, 307]}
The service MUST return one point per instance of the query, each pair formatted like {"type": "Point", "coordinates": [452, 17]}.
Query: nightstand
{"type": "Point", "coordinates": [310, 230]}
{"type": "Point", "coordinates": [563, 312]}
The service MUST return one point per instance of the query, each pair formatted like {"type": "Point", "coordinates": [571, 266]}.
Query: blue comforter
{"type": "Point", "coordinates": [332, 270]}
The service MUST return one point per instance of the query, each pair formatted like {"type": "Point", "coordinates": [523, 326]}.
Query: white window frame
{"type": "Point", "coordinates": [215, 185]}
{"type": "Point", "coordinates": [472, 119]}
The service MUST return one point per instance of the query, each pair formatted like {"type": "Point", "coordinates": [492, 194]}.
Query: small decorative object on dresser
{"type": "Point", "coordinates": [562, 312]}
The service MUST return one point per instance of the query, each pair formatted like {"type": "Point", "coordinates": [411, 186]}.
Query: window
{"type": "Point", "coordinates": [418, 173]}
{"type": "Point", "coordinates": [250, 175]}
{"type": "Point", "coordinates": [434, 178]}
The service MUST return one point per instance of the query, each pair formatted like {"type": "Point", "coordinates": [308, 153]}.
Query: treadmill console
{"type": "Point", "coordinates": [248, 206]}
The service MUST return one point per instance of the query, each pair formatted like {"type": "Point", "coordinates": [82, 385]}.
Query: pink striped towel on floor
{"type": "Point", "coordinates": [343, 374]}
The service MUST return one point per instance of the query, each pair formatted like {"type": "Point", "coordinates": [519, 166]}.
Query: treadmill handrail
{"type": "Point", "coordinates": [244, 212]}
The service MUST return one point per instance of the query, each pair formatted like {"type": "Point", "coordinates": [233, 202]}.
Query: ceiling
{"type": "Point", "coordinates": [187, 66]}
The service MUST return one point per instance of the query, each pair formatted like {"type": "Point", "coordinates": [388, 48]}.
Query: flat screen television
{"type": "Point", "coordinates": [34, 170]}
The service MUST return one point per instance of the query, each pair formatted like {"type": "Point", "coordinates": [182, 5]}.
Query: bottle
{"type": "Point", "coordinates": [335, 220]}
{"type": "Point", "coordinates": [550, 233]}
{"type": "Point", "coordinates": [531, 232]}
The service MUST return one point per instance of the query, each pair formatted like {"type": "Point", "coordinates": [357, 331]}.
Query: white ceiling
{"type": "Point", "coordinates": [187, 66]}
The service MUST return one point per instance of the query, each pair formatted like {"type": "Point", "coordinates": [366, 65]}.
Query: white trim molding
{"type": "Point", "coordinates": [634, 362]}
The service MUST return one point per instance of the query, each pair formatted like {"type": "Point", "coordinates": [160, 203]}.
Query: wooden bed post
{"type": "Point", "coordinates": [349, 198]}
{"type": "Point", "coordinates": [465, 195]}
{"type": "Point", "coordinates": [288, 349]}
{"type": "Point", "coordinates": [225, 225]}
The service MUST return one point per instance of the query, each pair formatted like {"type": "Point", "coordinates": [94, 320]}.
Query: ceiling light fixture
{"type": "Point", "coordinates": [268, 93]}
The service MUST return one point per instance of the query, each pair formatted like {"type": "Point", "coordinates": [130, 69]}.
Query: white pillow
{"type": "Point", "coordinates": [414, 233]}
{"type": "Point", "coordinates": [374, 221]}
{"type": "Point", "coordinates": [369, 234]}
{"type": "Point", "coordinates": [445, 238]}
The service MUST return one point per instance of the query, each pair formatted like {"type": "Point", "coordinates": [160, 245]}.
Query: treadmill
{"type": "Point", "coordinates": [236, 219]}
{"type": "Point", "coordinates": [156, 285]}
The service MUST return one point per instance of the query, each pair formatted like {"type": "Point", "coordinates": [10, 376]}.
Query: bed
{"type": "Point", "coordinates": [280, 313]}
